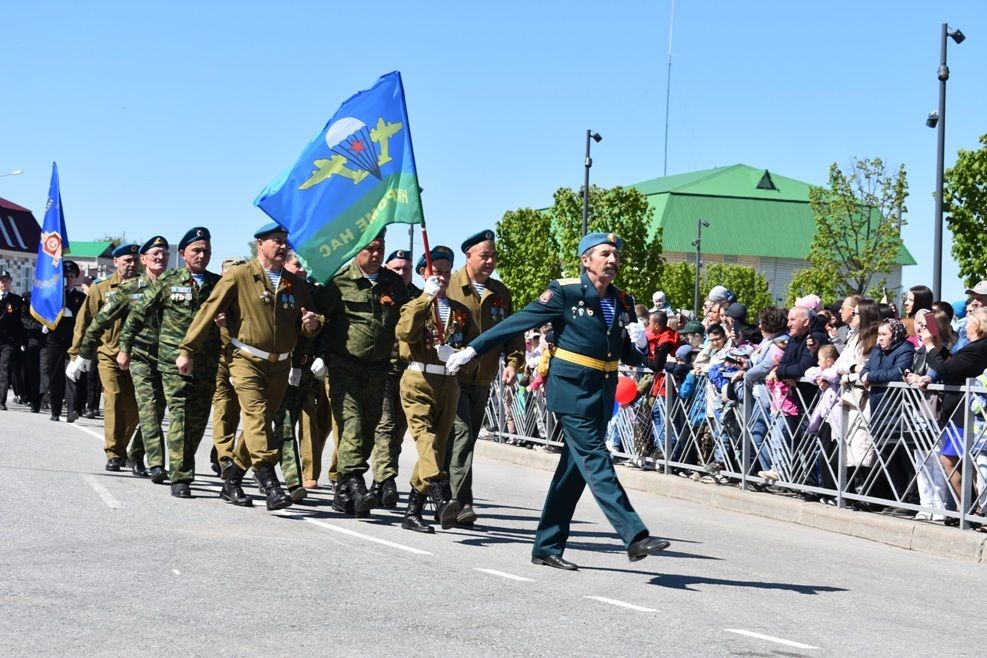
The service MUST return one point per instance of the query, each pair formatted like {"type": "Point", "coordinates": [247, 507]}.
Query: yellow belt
{"type": "Point", "coordinates": [588, 361]}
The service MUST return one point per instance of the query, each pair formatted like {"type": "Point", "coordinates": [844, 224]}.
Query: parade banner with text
{"type": "Point", "coordinates": [356, 177]}
{"type": "Point", "coordinates": [48, 291]}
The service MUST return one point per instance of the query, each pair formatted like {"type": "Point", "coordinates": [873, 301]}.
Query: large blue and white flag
{"type": "Point", "coordinates": [354, 178]}
{"type": "Point", "coordinates": [48, 292]}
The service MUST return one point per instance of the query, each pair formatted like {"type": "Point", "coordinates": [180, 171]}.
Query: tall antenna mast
{"type": "Point", "coordinates": [668, 84]}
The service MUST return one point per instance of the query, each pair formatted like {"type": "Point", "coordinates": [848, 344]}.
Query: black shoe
{"type": "Point", "coordinates": [54, 418]}
{"type": "Point", "coordinates": [71, 417]}
{"type": "Point", "coordinates": [413, 517]}
{"type": "Point", "coordinates": [267, 479]}
{"type": "Point", "coordinates": [3, 407]}
{"type": "Point", "coordinates": [363, 500]}
{"type": "Point", "coordinates": [215, 467]}
{"type": "Point", "coordinates": [232, 491]}
{"type": "Point", "coordinates": [226, 466]}
{"type": "Point", "coordinates": [137, 468]}
{"type": "Point", "coordinates": [113, 463]}
{"type": "Point", "coordinates": [341, 501]}
{"type": "Point", "coordinates": [466, 516]}
{"type": "Point", "coordinates": [89, 414]}
{"type": "Point", "coordinates": [389, 494]}
{"type": "Point", "coordinates": [446, 507]}
{"type": "Point", "coordinates": [158, 475]}
{"type": "Point", "coordinates": [181, 490]}
{"type": "Point", "coordinates": [642, 548]}
{"type": "Point", "coordinates": [554, 561]}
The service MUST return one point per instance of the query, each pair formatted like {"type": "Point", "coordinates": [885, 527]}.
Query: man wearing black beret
{"type": "Point", "coordinates": [11, 330]}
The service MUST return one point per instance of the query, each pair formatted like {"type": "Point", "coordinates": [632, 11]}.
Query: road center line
{"type": "Point", "coordinates": [353, 533]}
{"type": "Point", "coordinates": [504, 574]}
{"type": "Point", "coordinates": [622, 604]}
{"type": "Point", "coordinates": [89, 431]}
{"type": "Point", "coordinates": [103, 492]}
{"type": "Point", "coordinates": [769, 638]}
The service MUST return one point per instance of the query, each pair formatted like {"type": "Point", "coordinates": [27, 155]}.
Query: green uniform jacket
{"type": "Point", "coordinates": [114, 315]}
{"type": "Point", "coordinates": [573, 308]}
{"type": "Point", "coordinates": [487, 311]}
{"type": "Point", "coordinates": [175, 298]}
{"type": "Point", "coordinates": [361, 316]}
{"type": "Point", "coordinates": [99, 294]}
{"type": "Point", "coordinates": [416, 329]}
{"type": "Point", "coordinates": [256, 313]}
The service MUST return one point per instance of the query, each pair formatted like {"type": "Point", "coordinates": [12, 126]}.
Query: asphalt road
{"type": "Point", "coordinates": [98, 563]}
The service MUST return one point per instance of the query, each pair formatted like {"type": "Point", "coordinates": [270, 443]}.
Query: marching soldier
{"type": "Point", "coordinates": [56, 347]}
{"type": "Point", "coordinates": [390, 430]}
{"type": "Point", "coordinates": [595, 326]}
{"type": "Point", "coordinates": [362, 305]}
{"type": "Point", "coordinates": [225, 406]}
{"type": "Point", "coordinates": [120, 414]}
{"type": "Point", "coordinates": [11, 333]}
{"type": "Point", "coordinates": [173, 300]}
{"type": "Point", "coordinates": [34, 341]}
{"type": "Point", "coordinates": [489, 303]}
{"type": "Point", "coordinates": [272, 310]}
{"type": "Point", "coordinates": [428, 392]}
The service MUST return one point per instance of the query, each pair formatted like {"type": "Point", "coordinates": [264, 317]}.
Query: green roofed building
{"type": "Point", "coordinates": [94, 258]}
{"type": "Point", "coordinates": [757, 218]}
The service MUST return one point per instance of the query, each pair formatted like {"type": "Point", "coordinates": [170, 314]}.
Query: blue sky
{"type": "Point", "coordinates": [167, 115]}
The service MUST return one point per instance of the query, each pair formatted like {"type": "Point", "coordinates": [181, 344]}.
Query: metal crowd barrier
{"type": "Point", "coordinates": [888, 457]}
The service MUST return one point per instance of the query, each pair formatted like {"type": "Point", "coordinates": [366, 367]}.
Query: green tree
{"type": "Point", "coordinates": [965, 201]}
{"type": "Point", "coordinates": [747, 284]}
{"type": "Point", "coordinates": [527, 254]}
{"type": "Point", "coordinates": [812, 281]}
{"type": "Point", "coordinates": [858, 224]}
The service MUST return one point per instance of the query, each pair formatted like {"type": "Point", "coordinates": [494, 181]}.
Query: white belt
{"type": "Point", "coordinates": [260, 354]}
{"type": "Point", "coordinates": [428, 367]}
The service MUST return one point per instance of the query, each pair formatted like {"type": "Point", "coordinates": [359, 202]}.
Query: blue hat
{"type": "Point", "coordinates": [437, 253]}
{"type": "Point", "coordinates": [194, 235]}
{"type": "Point", "coordinates": [268, 229]}
{"type": "Point", "coordinates": [403, 254]}
{"type": "Point", "coordinates": [156, 241]}
{"type": "Point", "coordinates": [126, 250]}
{"type": "Point", "coordinates": [959, 310]}
{"type": "Point", "coordinates": [477, 238]}
{"type": "Point", "coordinates": [591, 240]}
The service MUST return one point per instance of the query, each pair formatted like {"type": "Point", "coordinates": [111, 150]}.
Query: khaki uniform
{"type": "Point", "coordinates": [429, 398]}
{"type": "Point", "coordinates": [487, 311]}
{"type": "Point", "coordinates": [225, 406]}
{"type": "Point", "coordinates": [120, 417]}
{"type": "Point", "coordinates": [264, 320]}
{"type": "Point", "coordinates": [361, 316]}
{"type": "Point", "coordinates": [314, 425]}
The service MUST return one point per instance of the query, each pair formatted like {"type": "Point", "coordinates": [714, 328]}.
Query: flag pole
{"type": "Point", "coordinates": [440, 333]}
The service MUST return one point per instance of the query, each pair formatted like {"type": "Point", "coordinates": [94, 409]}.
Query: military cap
{"type": "Point", "coordinates": [477, 238]}
{"type": "Point", "coordinates": [693, 327]}
{"type": "Point", "coordinates": [437, 252]}
{"type": "Point", "coordinates": [5, 274]}
{"type": "Point", "coordinates": [70, 267]}
{"type": "Point", "coordinates": [194, 235]}
{"type": "Point", "coordinates": [402, 254]}
{"type": "Point", "coordinates": [268, 229]}
{"type": "Point", "coordinates": [591, 240]}
{"type": "Point", "coordinates": [156, 241]}
{"type": "Point", "coordinates": [126, 250]}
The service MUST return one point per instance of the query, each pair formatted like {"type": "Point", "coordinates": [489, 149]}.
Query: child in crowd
{"type": "Point", "coordinates": [828, 379]}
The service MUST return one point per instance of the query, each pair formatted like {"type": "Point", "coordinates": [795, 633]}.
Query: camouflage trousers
{"type": "Point", "coordinates": [389, 434]}
{"type": "Point", "coordinates": [357, 397]}
{"type": "Point", "coordinates": [285, 421]}
{"type": "Point", "coordinates": [150, 405]}
{"type": "Point", "coordinates": [189, 399]}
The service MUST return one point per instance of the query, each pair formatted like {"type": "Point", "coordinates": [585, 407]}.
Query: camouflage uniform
{"type": "Point", "coordinates": [177, 297]}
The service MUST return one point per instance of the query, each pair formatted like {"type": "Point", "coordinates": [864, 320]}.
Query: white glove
{"type": "Point", "coordinates": [295, 377]}
{"type": "Point", "coordinates": [431, 286]}
{"type": "Point", "coordinates": [319, 368]}
{"type": "Point", "coordinates": [444, 352]}
{"type": "Point", "coordinates": [459, 359]}
{"type": "Point", "coordinates": [83, 365]}
{"type": "Point", "coordinates": [635, 331]}
{"type": "Point", "coordinates": [72, 370]}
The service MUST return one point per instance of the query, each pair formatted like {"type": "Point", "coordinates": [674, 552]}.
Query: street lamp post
{"type": "Point", "coordinates": [938, 120]}
{"type": "Point", "coordinates": [589, 163]}
{"type": "Point", "coordinates": [698, 244]}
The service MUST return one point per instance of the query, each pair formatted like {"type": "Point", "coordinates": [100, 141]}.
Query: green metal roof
{"type": "Point", "coordinates": [82, 249]}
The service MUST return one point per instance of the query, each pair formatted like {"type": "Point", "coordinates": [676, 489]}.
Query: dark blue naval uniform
{"type": "Point", "coordinates": [582, 382]}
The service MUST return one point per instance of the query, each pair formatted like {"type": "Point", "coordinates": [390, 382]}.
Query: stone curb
{"type": "Point", "coordinates": [904, 533]}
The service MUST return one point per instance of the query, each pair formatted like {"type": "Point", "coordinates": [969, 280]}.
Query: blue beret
{"type": "Point", "coordinates": [438, 253]}
{"type": "Point", "coordinates": [194, 235]}
{"type": "Point", "coordinates": [477, 238]}
{"type": "Point", "coordinates": [403, 254]}
{"type": "Point", "coordinates": [156, 241]}
{"type": "Point", "coordinates": [126, 250]}
{"type": "Point", "coordinates": [591, 240]}
{"type": "Point", "coordinates": [268, 229]}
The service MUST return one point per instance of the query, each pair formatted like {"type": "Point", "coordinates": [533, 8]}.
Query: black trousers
{"type": "Point", "coordinates": [31, 372]}
{"type": "Point", "coordinates": [6, 362]}
{"type": "Point", "coordinates": [59, 388]}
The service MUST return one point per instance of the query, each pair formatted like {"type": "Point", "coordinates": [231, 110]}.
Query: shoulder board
{"type": "Point", "coordinates": [569, 282]}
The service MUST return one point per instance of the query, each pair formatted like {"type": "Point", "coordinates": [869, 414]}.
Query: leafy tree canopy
{"type": "Point", "coordinates": [965, 202]}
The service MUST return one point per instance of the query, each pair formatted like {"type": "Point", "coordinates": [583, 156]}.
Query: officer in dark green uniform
{"type": "Point", "coordinates": [176, 297]}
{"type": "Point", "coordinates": [594, 324]}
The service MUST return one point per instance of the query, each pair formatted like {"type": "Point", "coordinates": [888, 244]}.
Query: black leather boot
{"type": "Point", "coordinates": [268, 481]}
{"type": "Point", "coordinates": [389, 494]}
{"type": "Point", "coordinates": [232, 491]}
{"type": "Point", "coordinates": [375, 493]}
{"type": "Point", "coordinates": [446, 509]}
{"type": "Point", "coordinates": [341, 501]}
{"type": "Point", "coordinates": [413, 516]}
{"type": "Point", "coordinates": [363, 501]}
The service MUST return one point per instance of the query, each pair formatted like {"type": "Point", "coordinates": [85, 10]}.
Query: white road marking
{"type": "Point", "coordinates": [175, 571]}
{"type": "Point", "coordinates": [504, 574]}
{"type": "Point", "coordinates": [89, 431]}
{"type": "Point", "coordinates": [353, 533]}
{"type": "Point", "coordinates": [103, 492]}
{"type": "Point", "coordinates": [622, 604]}
{"type": "Point", "coordinates": [759, 636]}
